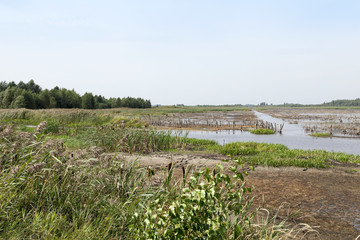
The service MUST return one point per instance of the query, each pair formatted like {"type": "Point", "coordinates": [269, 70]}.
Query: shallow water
{"type": "Point", "coordinates": [293, 136]}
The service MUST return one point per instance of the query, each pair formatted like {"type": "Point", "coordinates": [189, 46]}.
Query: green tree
{"type": "Point", "coordinates": [33, 87]}
{"type": "Point", "coordinates": [88, 101]}
{"type": "Point", "coordinates": [45, 98]}
{"type": "Point", "coordinates": [8, 97]}
{"type": "Point", "coordinates": [20, 102]}
{"type": "Point", "coordinates": [29, 100]}
{"type": "Point", "coordinates": [35, 98]}
{"type": "Point", "coordinates": [3, 86]}
{"type": "Point", "coordinates": [1, 98]}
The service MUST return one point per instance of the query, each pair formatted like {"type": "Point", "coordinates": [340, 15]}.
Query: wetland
{"type": "Point", "coordinates": [95, 173]}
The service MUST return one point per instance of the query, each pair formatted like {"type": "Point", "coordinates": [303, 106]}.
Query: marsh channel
{"type": "Point", "coordinates": [292, 136]}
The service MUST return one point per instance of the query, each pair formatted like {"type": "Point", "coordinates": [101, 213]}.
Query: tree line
{"type": "Point", "coordinates": [344, 102]}
{"type": "Point", "coordinates": [32, 96]}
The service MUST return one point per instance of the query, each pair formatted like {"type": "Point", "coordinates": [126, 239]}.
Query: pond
{"type": "Point", "coordinates": [293, 136]}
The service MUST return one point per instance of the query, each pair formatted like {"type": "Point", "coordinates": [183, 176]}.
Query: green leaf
{"type": "Point", "coordinates": [238, 232]}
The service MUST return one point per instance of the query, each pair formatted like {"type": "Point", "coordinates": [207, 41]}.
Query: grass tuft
{"type": "Point", "coordinates": [323, 135]}
{"type": "Point", "coordinates": [261, 131]}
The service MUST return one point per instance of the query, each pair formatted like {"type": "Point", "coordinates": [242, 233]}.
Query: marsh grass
{"type": "Point", "coordinates": [277, 155]}
{"type": "Point", "coordinates": [60, 199]}
{"type": "Point", "coordinates": [47, 194]}
{"type": "Point", "coordinates": [83, 117]}
{"type": "Point", "coordinates": [262, 131]}
{"type": "Point", "coordinates": [323, 135]}
{"type": "Point", "coordinates": [125, 139]}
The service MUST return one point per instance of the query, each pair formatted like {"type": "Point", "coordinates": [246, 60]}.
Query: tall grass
{"type": "Point", "coordinates": [54, 198]}
{"type": "Point", "coordinates": [47, 194]}
{"type": "Point", "coordinates": [125, 139]}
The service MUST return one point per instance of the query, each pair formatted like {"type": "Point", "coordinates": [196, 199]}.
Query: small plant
{"type": "Point", "coordinates": [351, 171]}
{"type": "Point", "coordinates": [264, 131]}
{"type": "Point", "coordinates": [324, 135]}
{"type": "Point", "coordinates": [236, 149]}
{"type": "Point", "coordinates": [52, 127]}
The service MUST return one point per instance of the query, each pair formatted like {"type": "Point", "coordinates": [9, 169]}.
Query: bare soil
{"type": "Point", "coordinates": [327, 199]}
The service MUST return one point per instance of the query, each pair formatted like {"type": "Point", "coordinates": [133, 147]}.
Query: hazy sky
{"type": "Point", "coordinates": [188, 51]}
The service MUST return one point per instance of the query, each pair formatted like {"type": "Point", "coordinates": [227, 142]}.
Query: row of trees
{"type": "Point", "coordinates": [30, 95]}
{"type": "Point", "coordinates": [344, 102]}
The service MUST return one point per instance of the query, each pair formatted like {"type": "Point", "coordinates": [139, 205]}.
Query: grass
{"type": "Point", "coordinates": [323, 135]}
{"type": "Point", "coordinates": [262, 131]}
{"type": "Point", "coordinates": [83, 117]}
{"type": "Point", "coordinates": [58, 184]}
{"type": "Point", "coordinates": [46, 192]}
{"type": "Point", "coordinates": [277, 155]}
{"type": "Point", "coordinates": [351, 171]}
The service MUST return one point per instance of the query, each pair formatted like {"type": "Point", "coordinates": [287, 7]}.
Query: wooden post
{"type": "Point", "coordinates": [183, 171]}
{"type": "Point", "coordinates": [331, 128]}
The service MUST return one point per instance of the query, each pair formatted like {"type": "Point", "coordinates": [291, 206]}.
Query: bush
{"type": "Point", "coordinates": [213, 205]}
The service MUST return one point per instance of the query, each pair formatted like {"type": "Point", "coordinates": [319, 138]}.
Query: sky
{"type": "Point", "coordinates": [186, 52]}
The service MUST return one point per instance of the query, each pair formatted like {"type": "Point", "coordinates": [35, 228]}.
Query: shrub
{"type": "Point", "coordinates": [213, 205]}
{"type": "Point", "coordinates": [52, 127]}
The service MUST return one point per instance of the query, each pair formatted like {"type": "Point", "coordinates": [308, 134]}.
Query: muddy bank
{"type": "Point", "coordinates": [327, 199]}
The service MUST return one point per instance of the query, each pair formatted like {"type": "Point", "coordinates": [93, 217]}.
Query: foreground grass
{"type": "Point", "coordinates": [47, 192]}
{"type": "Point", "coordinates": [67, 182]}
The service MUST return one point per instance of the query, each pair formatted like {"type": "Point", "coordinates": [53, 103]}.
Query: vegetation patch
{"type": "Point", "coordinates": [260, 131]}
{"type": "Point", "coordinates": [323, 135]}
{"type": "Point", "coordinates": [47, 192]}
{"type": "Point", "coordinates": [351, 171]}
{"type": "Point", "coordinates": [277, 155]}
{"type": "Point", "coordinates": [65, 180]}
